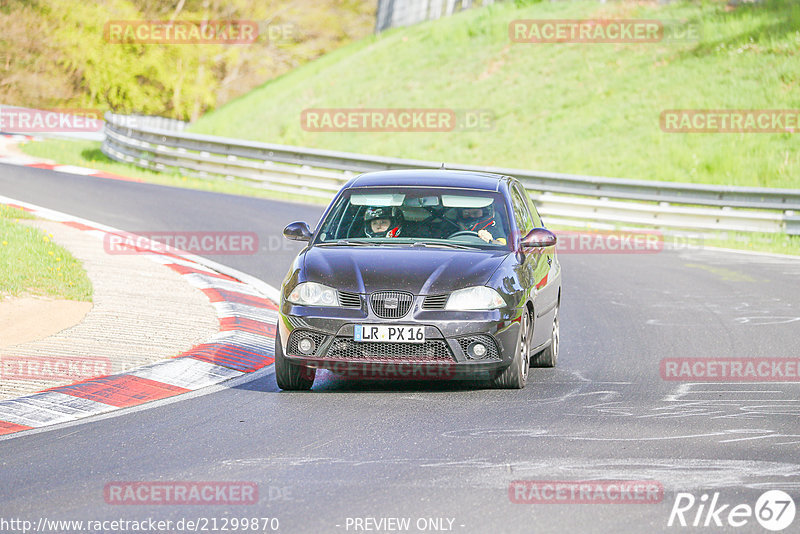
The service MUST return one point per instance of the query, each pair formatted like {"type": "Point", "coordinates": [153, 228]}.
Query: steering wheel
{"type": "Point", "coordinates": [464, 232]}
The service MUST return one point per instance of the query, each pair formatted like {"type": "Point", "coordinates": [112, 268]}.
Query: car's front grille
{"type": "Point", "coordinates": [349, 300]}
{"type": "Point", "coordinates": [391, 304]}
{"type": "Point", "coordinates": [433, 350]}
{"type": "Point", "coordinates": [295, 337]}
{"type": "Point", "coordinates": [435, 302]}
{"type": "Point", "coordinates": [487, 341]}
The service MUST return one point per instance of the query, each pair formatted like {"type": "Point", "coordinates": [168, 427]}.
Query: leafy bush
{"type": "Point", "coordinates": [54, 54]}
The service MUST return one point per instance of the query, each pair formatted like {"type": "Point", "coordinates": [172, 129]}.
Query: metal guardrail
{"type": "Point", "coordinates": [149, 121]}
{"type": "Point", "coordinates": [163, 146]}
{"type": "Point", "coordinates": [393, 13]}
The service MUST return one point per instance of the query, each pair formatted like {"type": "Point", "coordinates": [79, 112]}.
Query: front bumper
{"type": "Point", "coordinates": [445, 354]}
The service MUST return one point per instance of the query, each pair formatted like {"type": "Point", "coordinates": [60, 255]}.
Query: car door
{"type": "Point", "coordinates": [528, 258]}
{"type": "Point", "coordinates": [546, 272]}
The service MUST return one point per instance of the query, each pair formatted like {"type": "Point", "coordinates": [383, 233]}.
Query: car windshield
{"type": "Point", "coordinates": [445, 217]}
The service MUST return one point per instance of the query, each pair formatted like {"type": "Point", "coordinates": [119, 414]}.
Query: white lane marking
{"type": "Point", "coordinates": [211, 282]}
{"type": "Point", "coordinates": [234, 309]}
{"type": "Point", "coordinates": [244, 339]}
{"type": "Point", "coordinates": [72, 169]}
{"type": "Point", "coordinates": [270, 291]}
{"type": "Point", "coordinates": [17, 160]}
{"type": "Point", "coordinates": [187, 373]}
{"type": "Point", "coordinates": [48, 408]}
{"type": "Point", "coordinates": [166, 260]}
{"type": "Point", "coordinates": [227, 385]}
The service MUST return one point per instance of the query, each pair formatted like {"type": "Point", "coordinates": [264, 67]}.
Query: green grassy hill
{"type": "Point", "coordinates": [576, 108]}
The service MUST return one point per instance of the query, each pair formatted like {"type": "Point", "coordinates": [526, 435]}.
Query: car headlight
{"type": "Point", "coordinates": [313, 294]}
{"type": "Point", "coordinates": [475, 298]}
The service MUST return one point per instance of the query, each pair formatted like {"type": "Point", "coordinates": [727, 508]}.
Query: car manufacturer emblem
{"type": "Point", "coordinates": [391, 303]}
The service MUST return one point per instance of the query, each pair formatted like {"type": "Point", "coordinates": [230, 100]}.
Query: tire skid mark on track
{"type": "Point", "coordinates": [244, 344]}
{"type": "Point", "coordinates": [710, 401]}
{"type": "Point", "coordinates": [485, 472]}
{"type": "Point", "coordinates": [722, 403]}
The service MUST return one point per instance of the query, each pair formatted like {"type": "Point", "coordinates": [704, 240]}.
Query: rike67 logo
{"type": "Point", "coordinates": [774, 510]}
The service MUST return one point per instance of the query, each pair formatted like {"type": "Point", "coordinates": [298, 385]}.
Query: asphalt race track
{"type": "Point", "coordinates": [385, 449]}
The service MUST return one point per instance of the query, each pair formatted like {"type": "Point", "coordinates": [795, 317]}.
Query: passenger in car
{"type": "Point", "coordinates": [383, 222]}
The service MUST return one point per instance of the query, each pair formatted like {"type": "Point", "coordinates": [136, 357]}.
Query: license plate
{"type": "Point", "coordinates": [390, 334]}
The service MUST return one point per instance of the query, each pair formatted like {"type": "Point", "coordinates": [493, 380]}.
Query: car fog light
{"type": "Point", "coordinates": [477, 350]}
{"type": "Point", "coordinates": [306, 345]}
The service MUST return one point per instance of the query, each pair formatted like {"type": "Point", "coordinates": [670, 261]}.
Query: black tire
{"type": "Point", "coordinates": [549, 356]}
{"type": "Point", "coordinates": [289, 376]}
{"type": "Point", "coordinates": [515, 376]}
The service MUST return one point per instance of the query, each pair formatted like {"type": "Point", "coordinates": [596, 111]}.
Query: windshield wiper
{"type": "Point", "coordinates": [345, 243]}
{"type": "Point", "coordinates": [444, 245]}
{"type": "Point", "coordinates": [356, 243]}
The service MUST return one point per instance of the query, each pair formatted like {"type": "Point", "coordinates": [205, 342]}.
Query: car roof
{"type": "Point", "coordinates": [430, 178]}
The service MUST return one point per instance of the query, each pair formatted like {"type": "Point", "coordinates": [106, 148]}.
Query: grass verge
{"type": "Point", "coordinates": [694, 240]}
{"type": "Point", "coordinates": [32, 264]}
{"type": "Point", "coordinates": [774, 243]}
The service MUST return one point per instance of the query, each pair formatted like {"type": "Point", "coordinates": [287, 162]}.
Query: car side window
{"type": "Point", "coordinates": [537, 220]}
{"type": "Point", "coordinates": [521, 214]}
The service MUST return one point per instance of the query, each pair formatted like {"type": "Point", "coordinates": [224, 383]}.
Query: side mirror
{"type": "Point", "coordinates": [297, 231]}
{"type": "Point", "coordinates": [539, 238]}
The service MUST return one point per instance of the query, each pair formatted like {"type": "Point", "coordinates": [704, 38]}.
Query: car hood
{"type": "Point", "coordinates": [422, 271]}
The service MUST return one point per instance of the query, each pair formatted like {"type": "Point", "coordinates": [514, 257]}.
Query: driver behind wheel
{"type": "Point", "coordinates": [481, 221]}
{"type": "Point", "coordinates": [383, 222]}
